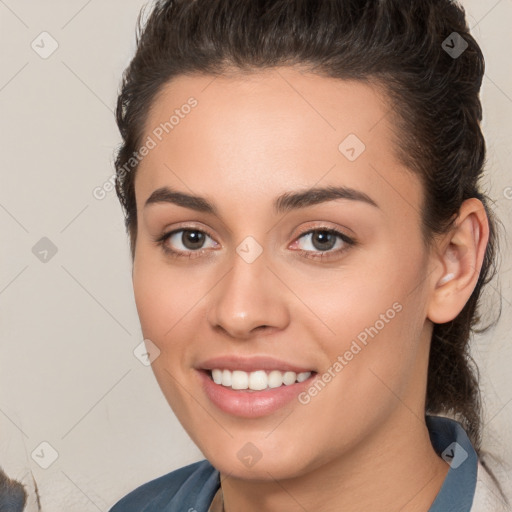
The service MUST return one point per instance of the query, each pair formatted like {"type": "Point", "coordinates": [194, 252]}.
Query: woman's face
{"type": "Point", "coordinates": [262, 288]}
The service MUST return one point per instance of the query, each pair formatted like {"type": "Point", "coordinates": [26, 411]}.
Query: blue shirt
{"type": "Point", "coordinates": [192, 488]}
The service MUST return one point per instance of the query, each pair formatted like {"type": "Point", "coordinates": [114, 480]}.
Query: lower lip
{"type": "Point", "coordinates": [251, 404]}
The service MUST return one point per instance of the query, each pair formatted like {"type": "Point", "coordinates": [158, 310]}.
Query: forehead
{"type": "Point", "coordinates": [262, 134]}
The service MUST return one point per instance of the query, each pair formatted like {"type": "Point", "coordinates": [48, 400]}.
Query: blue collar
{"type": "Point", "coordinates": [192, 488]}
{"type": "Point", "coordinates": [448, 438]}
{"type": "Point", "coordinates": [451, 442]}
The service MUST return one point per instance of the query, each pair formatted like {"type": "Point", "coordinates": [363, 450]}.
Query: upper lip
{"type": "Point", "coordinates": [250, 364]}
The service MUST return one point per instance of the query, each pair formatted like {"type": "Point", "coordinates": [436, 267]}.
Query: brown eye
{"type": "Point", "coordinates": [192, 239]}
{"type": "Point", "coordinates": [185, 242]}
{"type": "Point", "coordinates": [322, 243]}
{"type": "Point", "coordinates": [324, 240]}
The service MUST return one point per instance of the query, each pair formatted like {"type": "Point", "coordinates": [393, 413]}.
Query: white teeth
{"type": "Point", "coordinates": [239, 380]}
{"type": "Point", "coordinates": [301, 377]}
{"type": "Point", "coordinates": [275, 379]}
{"type": "Point", "coordinates": [226, 378]}
{"type": "Point", "coordinates": [217, 376]}
{"type": "Point", "coordinates": [257, 380]}
{"type": "Point", "coordinates": [289, 378]}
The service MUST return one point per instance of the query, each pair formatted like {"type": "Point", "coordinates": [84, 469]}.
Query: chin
{"type": "Point", "coordinates": [259, 459]}
{"type": "Point", "coordinates": [264, 470]}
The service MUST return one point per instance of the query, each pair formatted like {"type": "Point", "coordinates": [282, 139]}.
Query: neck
{"type": "Point", "coordinates": [387, 472]}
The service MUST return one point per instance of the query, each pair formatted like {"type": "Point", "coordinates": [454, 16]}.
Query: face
{"type": "Point", "coordinates": [250, 286]}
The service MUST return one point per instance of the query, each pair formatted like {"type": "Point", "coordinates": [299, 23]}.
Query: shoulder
{"type": "Point", "coordinates": [189, 487]}
{"type": "Point", "coordinates": [471, 483]}
{"type": "Point", "coordinates": [488, 495]}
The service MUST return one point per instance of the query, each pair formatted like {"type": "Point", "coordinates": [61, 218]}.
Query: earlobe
{"type": "Point", "coordinates": [459, 260]}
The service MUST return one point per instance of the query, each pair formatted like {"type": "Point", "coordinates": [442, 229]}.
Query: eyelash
{"type": "Point", "coordinates": [319, 255]}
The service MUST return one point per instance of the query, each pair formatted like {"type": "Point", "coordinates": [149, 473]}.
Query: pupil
{"type": "Point", "coordinates": [324, 237]}
{"type": "Point", "coordinates": [192, 239]}
{"type": "Point", "coordinates": [322, 240]}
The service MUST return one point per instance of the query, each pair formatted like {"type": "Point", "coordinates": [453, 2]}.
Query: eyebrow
{"type": "Point", "coordinates": [282, 204]}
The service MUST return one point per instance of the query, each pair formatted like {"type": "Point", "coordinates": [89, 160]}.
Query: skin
{"type": "Point", "coordinates": [361, 443]}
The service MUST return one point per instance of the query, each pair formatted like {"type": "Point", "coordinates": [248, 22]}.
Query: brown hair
{"type": "Point", "coordinates": [397, 44]}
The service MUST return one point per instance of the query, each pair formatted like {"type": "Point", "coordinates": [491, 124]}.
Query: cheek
{"type": "Point", "coordinates": [376, 317]}
{"type": "Point", "coordinates": [164, 306]}
{"type": "Point", "coordinates": [372, 357]}
{"type": "Point", "coordinates": [367, 293]}
{"type": "Point", "coordinates": [164, 294]}
{"type": "Point", "coordinates": [154, 300]}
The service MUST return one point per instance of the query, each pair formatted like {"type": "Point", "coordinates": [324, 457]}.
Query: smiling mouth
{"type": "Point", "coordinates": [259, 380]}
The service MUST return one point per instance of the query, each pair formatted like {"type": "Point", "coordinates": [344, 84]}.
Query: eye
{"type": "Point", "coordinates": [319, 243]}
{"type": "Point", "coordinates": [184, 242]}
{"type": "Point", "coordinates": [322, 243]}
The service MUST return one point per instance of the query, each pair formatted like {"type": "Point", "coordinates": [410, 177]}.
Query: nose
{"type": "Point", "coordinates": [249, 299]}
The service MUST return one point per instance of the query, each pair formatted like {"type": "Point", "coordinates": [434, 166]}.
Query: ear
{"type": "Point", "coordinates": [458, 262]}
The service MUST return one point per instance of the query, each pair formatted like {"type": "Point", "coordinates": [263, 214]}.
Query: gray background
{"type": "Point", "coordinates": [68, 374]}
